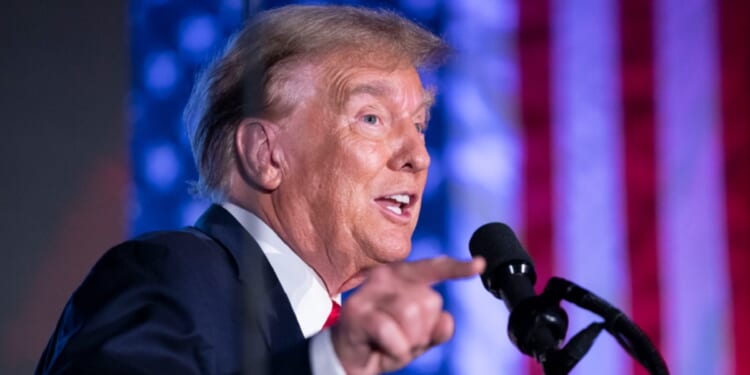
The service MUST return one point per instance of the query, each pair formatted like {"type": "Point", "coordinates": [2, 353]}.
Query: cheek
{"type": "Point", "coordinates": [336, 177]}
{"type": "Point", "coordinates": [342, 175]}
{"type": "Point", "coordinates": [358, 178]}
{"type": "Point", "coordinates": [360, 161]}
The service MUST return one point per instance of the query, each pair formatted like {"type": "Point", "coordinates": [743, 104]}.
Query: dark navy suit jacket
{"type": "Point", "coordinates": [203, 300]}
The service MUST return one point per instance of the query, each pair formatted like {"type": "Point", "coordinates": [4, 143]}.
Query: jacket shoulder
{"type": "Point", "coordinates": [168, 256]}
{"type": "Point", "coordinates": [172, 294]}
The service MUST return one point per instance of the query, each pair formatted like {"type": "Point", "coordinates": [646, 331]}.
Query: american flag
{"type": "Point", "coordinates": [629, 172]}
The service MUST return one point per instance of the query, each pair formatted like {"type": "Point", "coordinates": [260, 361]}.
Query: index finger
{"type": "Point", "coordinates": [435, 270]}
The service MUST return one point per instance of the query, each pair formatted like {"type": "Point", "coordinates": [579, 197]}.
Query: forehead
{"type": "Point", "coordinates": [398, 84]}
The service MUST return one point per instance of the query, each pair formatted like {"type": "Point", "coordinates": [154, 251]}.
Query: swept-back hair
{"type": "Point", "coordinates": [246, 80]}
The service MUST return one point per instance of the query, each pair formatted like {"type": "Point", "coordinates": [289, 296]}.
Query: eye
{"type": "Point", "coordinates": [370, 119]}
{"type": "Point", "coordinates": [421, 127]}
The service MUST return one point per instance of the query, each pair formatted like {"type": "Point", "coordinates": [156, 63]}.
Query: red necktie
{"type": "Point", "coordinates": [333, 316]}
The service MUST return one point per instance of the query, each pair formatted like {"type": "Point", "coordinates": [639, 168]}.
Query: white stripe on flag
{"type": "Point", "coordinates": [482, 155]}
{"type": "Point", "coordinates": [695, 301]}
{"type": "Point", "coordinates": [587, 157]}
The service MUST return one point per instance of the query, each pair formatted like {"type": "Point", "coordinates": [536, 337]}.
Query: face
{"type": "Point", "coordinates": [355, 166]}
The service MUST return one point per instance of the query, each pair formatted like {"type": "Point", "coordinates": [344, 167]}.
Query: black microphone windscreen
{"type": "Point", "coordinates": [498, 245]}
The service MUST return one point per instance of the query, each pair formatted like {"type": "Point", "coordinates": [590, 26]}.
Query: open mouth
{"type": "Point", "coordinates": [397, 204]}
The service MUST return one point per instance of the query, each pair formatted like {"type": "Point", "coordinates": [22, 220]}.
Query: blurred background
{"type": "Point", "coordinates": [613, 135]}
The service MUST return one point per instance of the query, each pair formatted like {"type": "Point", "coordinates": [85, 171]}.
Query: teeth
{"type": "Point", "coordinates": [400, 198]}
{"type": "Point", "coordinates": [394, 209]}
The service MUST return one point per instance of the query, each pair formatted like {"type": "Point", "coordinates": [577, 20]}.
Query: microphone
{"type": "Point", "coordinates": [509, 274]}
{"type": "Point", "coordinates": [536, 326]}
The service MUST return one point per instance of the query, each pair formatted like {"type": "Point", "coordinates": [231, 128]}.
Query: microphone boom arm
{"type": "Point", "coordinates": [625, 331]}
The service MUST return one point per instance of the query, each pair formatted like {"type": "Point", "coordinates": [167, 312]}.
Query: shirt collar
{"type": "Point", "coordinates": [306, 292]}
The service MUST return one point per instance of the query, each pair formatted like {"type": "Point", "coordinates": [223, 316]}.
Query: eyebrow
{"type": "Point", "coordinates": [381, 89]}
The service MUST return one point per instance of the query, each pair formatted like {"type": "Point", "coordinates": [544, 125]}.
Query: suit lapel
{"type": "Point", "coordinates": [267, 303]}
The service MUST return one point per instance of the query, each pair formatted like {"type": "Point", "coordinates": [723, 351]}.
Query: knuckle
{"type": "Point", "coordinates": [380, 327]}
{"type": "Point", "coordinates": [433, 301]}
{"type": "Point", "coordinates": [411, 311]}
{"type": "Point", "coordinates": [380, 274]}
{"type": "Point", "coordinates": [402, 354]}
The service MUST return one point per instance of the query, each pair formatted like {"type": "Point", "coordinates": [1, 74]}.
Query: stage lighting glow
{"type": "Point", "coordinates": [162, 167]}
{"type": "Point", "coordinates": [161, 73]}
{"type": "Point", "coordinates": [198, 36]}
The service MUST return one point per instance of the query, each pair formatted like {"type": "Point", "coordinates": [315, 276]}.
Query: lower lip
{"type": "Point", "coordinates": [405, 216]}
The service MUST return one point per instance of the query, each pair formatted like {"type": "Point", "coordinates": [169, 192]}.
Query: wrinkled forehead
{"type": "Point", "coordinates": [344, 76]}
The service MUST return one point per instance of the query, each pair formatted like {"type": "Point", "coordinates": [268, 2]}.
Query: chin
{"type": "Point", "coordinates": [396, 252]}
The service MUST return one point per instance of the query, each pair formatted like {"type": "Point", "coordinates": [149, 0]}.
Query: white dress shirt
{"type": "Point", "coordinates": [303, 287]}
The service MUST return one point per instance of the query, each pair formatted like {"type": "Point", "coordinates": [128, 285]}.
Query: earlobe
{"type": "Point", "coordinates": [258, 154]}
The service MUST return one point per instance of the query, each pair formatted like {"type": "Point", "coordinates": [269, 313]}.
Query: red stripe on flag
{"type": "Point", "coordinates": [735, 91]}
{"type": "Point", "coordinates": [636, 23]}
{"type": "Point", "coordinates": [534, 56]}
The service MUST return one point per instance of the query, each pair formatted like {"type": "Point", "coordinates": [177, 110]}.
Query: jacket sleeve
{"type": "Point", "coordinates": [135, 314]}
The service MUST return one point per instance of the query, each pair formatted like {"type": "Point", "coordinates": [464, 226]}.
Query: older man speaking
{"type": "Point", "coordinates": [308, 134]}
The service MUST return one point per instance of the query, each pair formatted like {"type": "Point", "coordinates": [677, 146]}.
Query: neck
{"type": "Point", "coordinates": [337, 272]}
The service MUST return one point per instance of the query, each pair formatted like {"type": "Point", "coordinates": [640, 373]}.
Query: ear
{"type": "Point", "coordinates": [258, 153]}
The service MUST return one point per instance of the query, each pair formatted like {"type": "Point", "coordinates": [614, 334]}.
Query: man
{"type": "Point", "coordinates": [308, 133]}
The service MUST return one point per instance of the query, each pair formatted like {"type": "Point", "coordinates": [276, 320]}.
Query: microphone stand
{"type": "Point", "coordinates": [537, 327]}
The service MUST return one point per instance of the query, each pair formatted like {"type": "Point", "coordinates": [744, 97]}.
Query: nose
{"type": "Point", "coordinates": [410, 150]}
